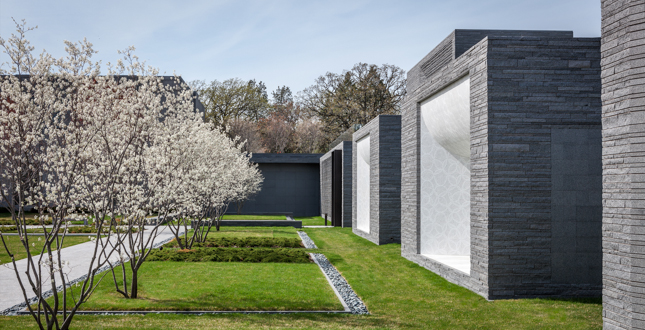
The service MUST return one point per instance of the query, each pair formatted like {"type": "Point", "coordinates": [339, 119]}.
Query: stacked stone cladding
{"type": "Point", "coordinates": [384, 133]}
{"type": "Point", "coordinates": [623, 95]}
{"type": "Point", "coordinates": [522, 86]}
{"type": "Point", "coordinates": [325, 182]}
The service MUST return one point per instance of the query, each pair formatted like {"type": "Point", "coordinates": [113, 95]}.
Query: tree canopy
{"type": "Point", "coordinates": [232, 99]}
{"type": "Point", "coordinates": [355, 96]}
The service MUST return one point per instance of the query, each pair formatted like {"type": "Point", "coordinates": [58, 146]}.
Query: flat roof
{"type": "Point", "coordinates": [264, 158]}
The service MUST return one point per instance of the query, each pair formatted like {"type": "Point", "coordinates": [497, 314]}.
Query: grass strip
{"type": "Point", "coordinates": [251, 232]}
{"type": "Point", "coordinates": [245, 242]}
{"type": "Point", "coordinates": [71, 230]}
{"type": "Point", "coordinates": [313, 221]}
{"type": "Point", "coordinates": [252, 217]}
{"type": "Point", "coordinates": [221, 286]}
{"type": "Point", "coordinates": [35, 245]}
{"type": "Point", "coordinates": [231, 255]}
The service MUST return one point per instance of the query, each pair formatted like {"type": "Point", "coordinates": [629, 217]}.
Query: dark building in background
{"type": "Point", "coordinates": [291, 184]}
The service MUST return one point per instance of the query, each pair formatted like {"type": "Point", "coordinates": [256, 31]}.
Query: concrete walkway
{"type": "Point", "coordinates": [79, 257]}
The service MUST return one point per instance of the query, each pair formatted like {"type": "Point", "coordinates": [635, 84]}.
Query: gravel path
{"type": "Point", "coordinates": [347, 296]}
{"type": "Point", "coordinates": [309, 244]}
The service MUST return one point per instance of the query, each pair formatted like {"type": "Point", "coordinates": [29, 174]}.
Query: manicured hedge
{"type": "Point", "coordinates": [231, 255]}
{"type": "Point", "coordinates": [246, 242]}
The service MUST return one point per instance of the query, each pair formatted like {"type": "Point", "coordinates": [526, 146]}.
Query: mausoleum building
{"type": "Point", "coordinates": [376, 175]}
{"type": "Point", "coordinates": [501, 171]}
{"type": "Point", "coordinates": [336, 185]}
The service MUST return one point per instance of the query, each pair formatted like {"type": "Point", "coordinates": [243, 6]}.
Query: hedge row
{"type": "Point", "coordinates": [231, 255]}
{"type": "Point", "coordinates": [246, 242]}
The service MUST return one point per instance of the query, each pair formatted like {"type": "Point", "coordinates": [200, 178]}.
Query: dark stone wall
{"type": "Point", "coordinates": [421, 85]}
{"type": "Point", "coordinates": [576, 207]}
{"type": "Point", "coordinates": [524, 85]}
{"type": "Point", "coordinates": [291, 184]}
{"type": "Point", "coordinates": [623, 94]}
{"type": "Point", "coordinates": [325, 182]}
{"type": "Point", "coordinates": [385, 179]}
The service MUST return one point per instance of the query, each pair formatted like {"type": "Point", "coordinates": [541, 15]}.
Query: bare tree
{"type": "Point", "coordinates": [247, 133]}
{"type": "Point", "coordinates": [354, 96]}
{"type": "Point", "coordinates": [233, 99]}
{"type": "Point", "coordinates": [308, 136]}
{"type": "Point", "coordinates": [277, 132]}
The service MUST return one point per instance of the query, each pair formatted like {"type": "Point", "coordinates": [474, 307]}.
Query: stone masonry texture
{"type": "Point", "coordinates": [623, 139]}
{"type": "Point", "coordinates": [385, 179]}
{"type": "Point", "coordinates": [527, 88]}
{"type": "Point", "coordinates": [325, 182]}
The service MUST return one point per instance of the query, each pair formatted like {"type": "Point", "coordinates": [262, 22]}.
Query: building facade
{"type": "Point", "coordinates": [376, 176]}
{"type": "Point", "coordinates": [501, 164]}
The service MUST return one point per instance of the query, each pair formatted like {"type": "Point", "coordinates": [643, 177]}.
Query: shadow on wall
{"type": "Point", "coordinates": [291, 184]}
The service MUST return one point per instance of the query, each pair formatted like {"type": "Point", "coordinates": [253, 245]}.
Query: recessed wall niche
{"type": "Point", "coordinates": [445, 176]}
{"type": "Point", "coordinates": [363, 184]}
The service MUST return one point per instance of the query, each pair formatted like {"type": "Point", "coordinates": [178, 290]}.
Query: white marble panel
{"type": "Point", "coordinates": [445, 172]}
{"type": "Point", "coordinates": [363, 184]}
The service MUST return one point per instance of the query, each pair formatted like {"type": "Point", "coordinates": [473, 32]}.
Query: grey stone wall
{"type": "Point", "coordinates": [524, 84]}
{"type": "Point", "coordinates": [385, 179]}
{"type": "Point", "coordinates": [325, 182]}
{"type": "Point", "coordinates": [291, 184]}
{"type": "Point", "coordinates": [623, 70]}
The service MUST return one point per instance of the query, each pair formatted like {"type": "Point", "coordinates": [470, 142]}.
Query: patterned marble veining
{"type": "Point", "coordinates": [363, 184]}
{"type": "Point", "coordinates": [445, 171]}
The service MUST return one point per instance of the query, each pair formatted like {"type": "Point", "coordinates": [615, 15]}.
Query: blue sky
{"type": "Point", "coordinates": [281, 42]}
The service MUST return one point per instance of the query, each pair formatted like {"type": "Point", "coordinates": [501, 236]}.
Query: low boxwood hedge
{"type": "Point", "coordinates": [246, 242]}
{"type": "Point", "coordinates": [231, 255]}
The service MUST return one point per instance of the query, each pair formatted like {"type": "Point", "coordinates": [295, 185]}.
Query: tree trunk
{"type": "Point", "coordinates": [134, 284]}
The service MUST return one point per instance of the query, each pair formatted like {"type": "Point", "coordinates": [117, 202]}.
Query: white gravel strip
{"type": "Point", "coordinates": [345, 293]}
{"type": "Point", "coordinates": [308, 242]}
{"type": "Point", "coordinates": [16, 308]}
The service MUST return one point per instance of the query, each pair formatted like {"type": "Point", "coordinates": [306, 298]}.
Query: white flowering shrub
{"type": "Point", "coordinates": [120, 147]}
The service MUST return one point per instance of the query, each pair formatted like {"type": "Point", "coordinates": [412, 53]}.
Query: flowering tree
{"type": "Point", "coordinates": [218, 170]}
{"type": "Point", "coordinates": [120, 147]}
{"type": "Point", "coordinates": [45, 136]}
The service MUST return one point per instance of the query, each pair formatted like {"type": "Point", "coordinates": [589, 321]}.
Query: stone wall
{"type": "Point", "coordinates": [623, 70]}
{"type": "Point", "coordinates": [325, 182]}
{"type": "Point", "coordinates": [524, 85]}
{"type": "Point", "coordinates": [384, 133]}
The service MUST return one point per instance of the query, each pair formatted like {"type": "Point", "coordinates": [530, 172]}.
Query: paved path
{"type": "Point", "coordinates": [79, 257]}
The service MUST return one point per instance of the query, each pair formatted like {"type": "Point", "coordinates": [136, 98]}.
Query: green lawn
{"type": "Point", "coordinates": [313, 221]}
{"type": "Point", "coordinates": [252, 232]}
{"type": "Point", "coordinates": [253, 217]}
{"type": "Point", "coordinates": [222, 286]}
{"type": "Point", "coordinates": [13, 242]}
{"type": "Point", "coordinates": [398, 293]}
